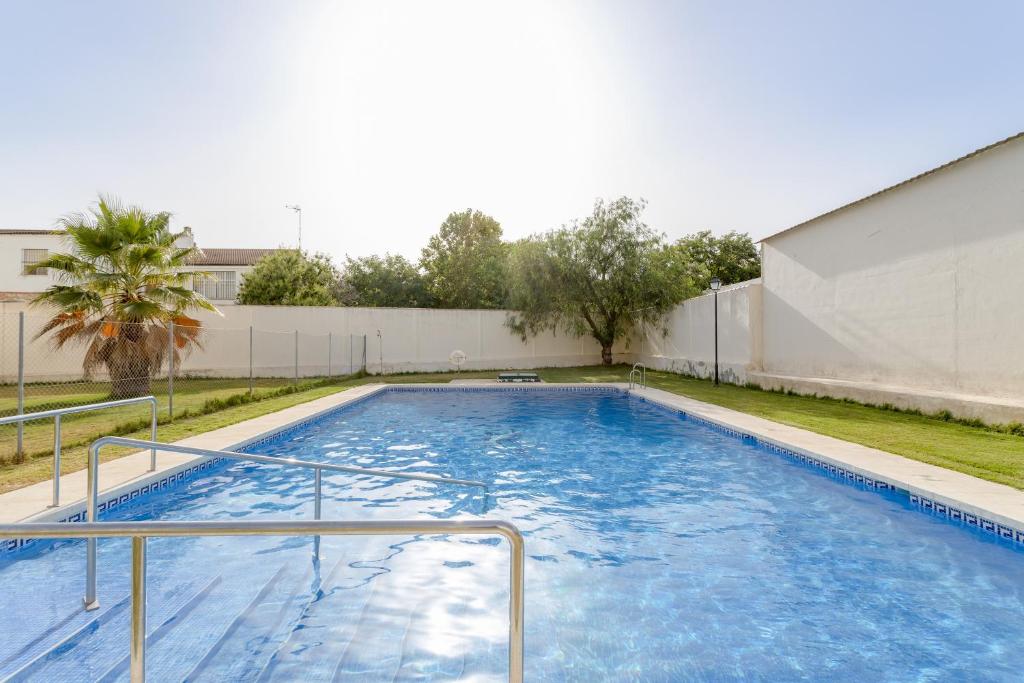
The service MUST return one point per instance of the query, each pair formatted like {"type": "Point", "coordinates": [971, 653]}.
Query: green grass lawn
{"type": "Point", "coordinates": [190, 396]}
{"type": "Point", "coordinates": [981, 452]}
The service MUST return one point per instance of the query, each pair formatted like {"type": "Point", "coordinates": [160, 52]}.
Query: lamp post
{"type": "Point", "coordinates": [297, 209]}
{"type": "Point", "coordinates": [380, 342]}
{"type": "Point", "coordinates": [716, 284]}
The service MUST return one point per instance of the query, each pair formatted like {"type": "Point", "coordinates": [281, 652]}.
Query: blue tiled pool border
{"type": "Point", "coordinates": [925, 504]}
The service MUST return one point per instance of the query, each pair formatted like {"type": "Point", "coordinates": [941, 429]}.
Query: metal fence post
{"type": "Point", "coordinates": [170, 370]}
{"type": "Point", "coordinates": [21, 383]}
{"type": "Point", "coordinates": [330, 344]}
{"type": "Point", "coordinates": [351, 362]}
{"type": "Point", "coordinates": [250, 360]}
{"type": "Point", "coordinates": [152, 433]}
{"type": "Point", "coordinates": [296, 356]}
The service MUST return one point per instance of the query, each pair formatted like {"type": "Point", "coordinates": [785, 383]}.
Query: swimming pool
{"type": "Point", "coordinates": [659, 549]}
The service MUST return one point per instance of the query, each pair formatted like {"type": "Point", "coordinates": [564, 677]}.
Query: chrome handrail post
{"type": "Point", "coordinates": [137, 647]}
{"type": "Point", "coordinates": [317, 491]}
{"type": "Point", "coordinates": [56, 461]}
{"type": "Point", "coordinates": [58, 413]}
{"type": "Point", "coordinates": [91, 505]}
{"type": "Point", "coordinates": [137, 651]}
{"type": "Point", "coordinates": [516, 603]}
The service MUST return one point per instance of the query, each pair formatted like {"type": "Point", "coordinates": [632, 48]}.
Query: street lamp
{"type": "Point", "coordinates": [380, 342]}
{"type": "Point", "coordinates": [716, 284]}
{"type": "Point", "coordinates": [297, 209]}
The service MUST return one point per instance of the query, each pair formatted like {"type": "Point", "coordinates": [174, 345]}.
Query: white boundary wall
{"type": "Point", "coordinates": [911, 297]}
{"type": "Point", "coordinates": [920, 286]}
{"type": "Point", "coordinates": [412, 340]}
{"type": "Point", "coordinates": [689, 345]}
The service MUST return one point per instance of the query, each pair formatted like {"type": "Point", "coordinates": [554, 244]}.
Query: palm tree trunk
{"type": "Point", "coordinates": [129, 367]}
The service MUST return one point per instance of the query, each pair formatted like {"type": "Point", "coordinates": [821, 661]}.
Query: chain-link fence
{"type": "Point", "coordinates": [51, 362]}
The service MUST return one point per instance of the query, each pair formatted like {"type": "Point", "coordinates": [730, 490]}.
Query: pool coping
{"type": "Point", "coordinates": [992, 507]}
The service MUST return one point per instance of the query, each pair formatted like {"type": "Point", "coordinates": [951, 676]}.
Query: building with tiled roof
{"type": "Point", "coordinates": [21, 248]}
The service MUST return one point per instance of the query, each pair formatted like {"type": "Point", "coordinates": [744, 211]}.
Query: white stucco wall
{"type": "Point", "coordinates": [11, 246]}
{"type": "Point", "coordinates": [919, 287]}
{"type": "Point", "coordinates": [413, 340]}
{"type": "Point", "coordinates": [689, 346]}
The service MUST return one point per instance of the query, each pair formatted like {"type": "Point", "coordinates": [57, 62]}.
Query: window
{"type": "Point", "coordinates": [29, 258]}
{"type": "Point", "coordinates": [220, 286]}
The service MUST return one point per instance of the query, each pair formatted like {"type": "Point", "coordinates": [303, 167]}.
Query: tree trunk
{"type": "Point", "coordinates": [606, 354]}
{"type": "Point", "coordinates": [129, 369]}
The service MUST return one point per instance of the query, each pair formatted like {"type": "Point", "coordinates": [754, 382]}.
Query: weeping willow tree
{"type": "Point", "coordinates": [119, 288]}
{"type": "Point", "coordinates": [601, 277]}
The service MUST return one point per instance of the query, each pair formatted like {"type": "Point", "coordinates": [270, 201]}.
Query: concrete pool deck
{"type": "Point", "coordinates": [997, 502]}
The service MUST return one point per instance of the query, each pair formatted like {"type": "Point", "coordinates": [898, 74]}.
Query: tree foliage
{"type": "Point", "coordinates": [118, 289]}
{"type": "Point", "coordinates": [465, 262]}
{"type": "Point", "coordinates": [733, 257]}
{"type": "Point", "coordinates": [389, 280]}
{"type": "Point", "coordinates": [600, 277]}
{"type": "Point", "coordinates": [288, 277]}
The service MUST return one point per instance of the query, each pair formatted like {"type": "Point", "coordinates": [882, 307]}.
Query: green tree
{"type": "Point", "coordinates": [389, 280]}
{"type": "Point", "coordinates": [118, 290]}
{"type": "Point", "coordinates": [288, 277]}
{"type": "Point", "coordinates": [733, 257]}
{"type": "Point", "coordinates": [465, 262]}
{"type": "Point", "coordinates": [601, 276]}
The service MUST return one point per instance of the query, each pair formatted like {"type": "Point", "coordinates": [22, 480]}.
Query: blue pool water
{"type": "Point", "coordinates": [658, 549]}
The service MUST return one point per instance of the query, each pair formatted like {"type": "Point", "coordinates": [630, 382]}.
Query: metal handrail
{"type": "Point", "coordinates": [93, 475]}
{"type": "Point", "coordinates": [56, 414]}
{"type": "Point", "coordinates": [140, 531]}
{"type": "Point", "coordinates": [639, 371]}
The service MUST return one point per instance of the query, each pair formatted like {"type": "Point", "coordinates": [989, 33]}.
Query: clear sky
{"type": "Point", "coordinates": [381, 118]}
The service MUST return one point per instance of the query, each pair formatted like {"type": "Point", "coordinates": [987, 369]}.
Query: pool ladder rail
{"type": "Point", "coordinates": [57, 413]}
{"type": "Point", "coordinates": [638, 376]}
{"type": "Point", "coordinates": [93, 471]}
{"type": "Point", "coordinates": [139, 532]}
{"type": "Point", "coordinates": [91, 530]}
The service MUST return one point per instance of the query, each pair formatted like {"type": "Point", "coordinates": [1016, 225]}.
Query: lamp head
{"type": "Point", "coordinates": [716, 284]}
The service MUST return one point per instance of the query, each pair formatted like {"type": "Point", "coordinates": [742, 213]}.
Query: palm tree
{"type": "Point", "coordinates": [119, 289]}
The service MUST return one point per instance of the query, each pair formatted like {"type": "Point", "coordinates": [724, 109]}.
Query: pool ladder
{"type": "Point", "coordinates": [638, 376]}
{"type": "Point", "coordinates": [140, 532]}
{"type": "Point", "coordinates": [93, 474]}
{"type": "Point", "coordinates": [57, 413]}
{"type": "Point", "coordinates": [91, 530]}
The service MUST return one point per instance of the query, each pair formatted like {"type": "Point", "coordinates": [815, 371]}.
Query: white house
{"type": "Point", "coordinates": [22, 248]}
{"type": "Point", "coordinates": [913, 295]}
